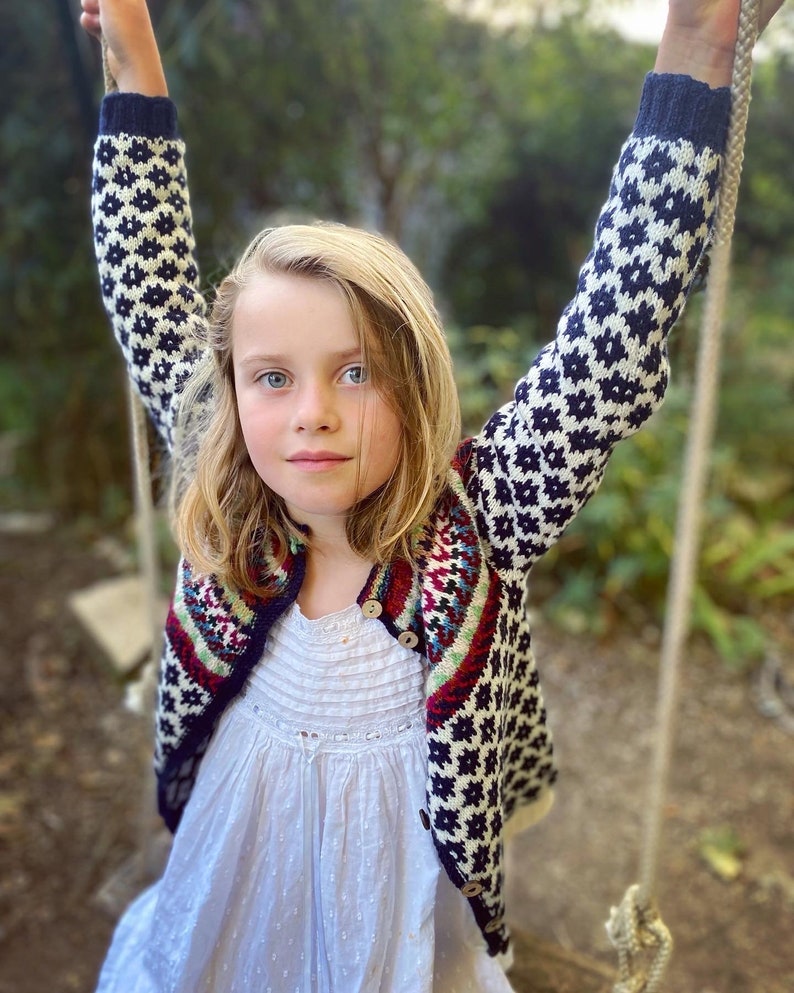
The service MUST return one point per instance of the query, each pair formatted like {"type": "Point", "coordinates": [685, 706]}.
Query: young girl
{"type": "Point", "coordinates": [349, 720]}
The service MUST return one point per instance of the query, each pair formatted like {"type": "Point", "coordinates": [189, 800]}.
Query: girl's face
{"type": "Point", "coordinates": [317, 432]}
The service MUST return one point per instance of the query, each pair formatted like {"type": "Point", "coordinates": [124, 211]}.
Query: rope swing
{"type": "Point", "coordinates": [634, 927]}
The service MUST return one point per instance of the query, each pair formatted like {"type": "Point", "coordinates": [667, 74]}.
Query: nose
{"type": "Point", "coordinates": [315, 409]}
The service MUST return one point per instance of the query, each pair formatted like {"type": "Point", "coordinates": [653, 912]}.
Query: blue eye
{"type": "Point", "coordinates": [356, 374]}
{"type": "Point", "coordinates": [274, 380]}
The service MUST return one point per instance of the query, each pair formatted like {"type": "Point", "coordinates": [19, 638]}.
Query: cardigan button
{"type": "Point", "coordinates": [423, 817]}
{"type": "Point", "coordinates": [494, 924]}
{"type": "Point", "coordinates": [471, 889]}
{"type": "Point", "coordinates": [408, 639]}
{"type": "Point", "coordinates": [371, 608]}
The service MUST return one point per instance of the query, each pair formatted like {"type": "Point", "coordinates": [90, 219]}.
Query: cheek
{"type": "Point", "coordinates": [395, 434]}
{"type": "Point", "coordinates": [256, 431]}
{"type": "Point", "coordinates": [387, 439]}
{"type": "Point", "coordinates": [238, 417]}
{"type": "Point", "coordinates": [244, 420]}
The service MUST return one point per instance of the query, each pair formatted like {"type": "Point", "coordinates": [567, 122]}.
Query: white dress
{"type": "Point", "coordinates": [301, 864]}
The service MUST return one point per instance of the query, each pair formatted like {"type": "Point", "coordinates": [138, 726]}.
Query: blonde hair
{"type": "Point", "coordinates": [221, 510]}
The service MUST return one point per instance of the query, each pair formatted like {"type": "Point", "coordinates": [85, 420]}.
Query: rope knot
{"type": "Point", "coordinates": [633, 928]}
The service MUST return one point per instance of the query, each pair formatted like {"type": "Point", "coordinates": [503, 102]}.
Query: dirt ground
{"type": "Point", "coordinates": [73, 760]}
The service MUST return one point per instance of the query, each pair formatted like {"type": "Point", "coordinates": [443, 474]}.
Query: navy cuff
{"type": "Point", "coordinates": [673, 107]}
{"type": "Point", "coordinates": [134, 114]}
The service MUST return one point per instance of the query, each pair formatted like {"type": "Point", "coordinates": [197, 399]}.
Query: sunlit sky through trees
{"type": "Point", "coordinates": [641, 20]}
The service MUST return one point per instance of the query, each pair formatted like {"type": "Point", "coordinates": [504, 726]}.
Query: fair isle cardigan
{"type": "Point", "coordinates": [511, 490]}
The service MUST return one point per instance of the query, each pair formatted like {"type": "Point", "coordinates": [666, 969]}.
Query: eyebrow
{"type": "Point", "coordinates": [261, 358]}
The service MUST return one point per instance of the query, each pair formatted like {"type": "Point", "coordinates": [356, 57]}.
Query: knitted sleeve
{"type": "Point", "coordinates": [145, 250]}
{"type": "Point", "coordinates": [541, 456]}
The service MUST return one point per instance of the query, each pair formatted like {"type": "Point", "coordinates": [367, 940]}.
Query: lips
{"type": "Point", "coordinates": [317, 461]}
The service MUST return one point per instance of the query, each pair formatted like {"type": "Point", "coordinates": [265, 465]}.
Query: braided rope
{"type": "Point", "coordinates": [635, 926]}
{"type": "Point", "coordinates": [110, 82]}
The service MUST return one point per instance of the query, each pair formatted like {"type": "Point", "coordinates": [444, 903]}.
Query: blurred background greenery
{"type": "Point", "coordinates": [486, 152]}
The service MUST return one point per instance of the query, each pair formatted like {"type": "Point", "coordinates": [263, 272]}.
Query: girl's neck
{"type": "Point", "coordinates": [335, 575]}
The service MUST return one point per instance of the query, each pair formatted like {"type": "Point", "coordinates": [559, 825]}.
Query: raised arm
{"type": "Point", "coordinates": [540, 457]}
{"type": "Point", "coordinates": [142, 224]}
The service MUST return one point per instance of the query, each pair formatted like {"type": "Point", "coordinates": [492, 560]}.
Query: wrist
{"type": "Point", "coordinates": [148, 82]}
{"type": "Point", "coordinates": [133, 55]}
{"type": "Point", "coordinates": [684, 54]}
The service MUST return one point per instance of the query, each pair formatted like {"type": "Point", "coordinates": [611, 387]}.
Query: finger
{"type": "Point", "coordinates": [90, 23]}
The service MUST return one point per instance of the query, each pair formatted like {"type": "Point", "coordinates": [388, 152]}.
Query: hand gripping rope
{"type": "Point", "coordinates": [635, 927]}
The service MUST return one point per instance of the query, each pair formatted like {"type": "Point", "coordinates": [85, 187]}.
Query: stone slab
{"type": "Point", "coordinates": [115, 613]}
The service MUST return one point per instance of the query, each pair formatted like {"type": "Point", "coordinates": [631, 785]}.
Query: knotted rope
{"type": "Point", "coordinates": [633, 930]}
{"type": "Point", "coordinates": [635, 926]}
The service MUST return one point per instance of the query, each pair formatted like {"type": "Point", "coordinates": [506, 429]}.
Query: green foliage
{"type": "Point", "coordinates": [66, 424]}
{"type": "Point", "coordinates": [488, 362]}
{"type": "Point", "coordinates": [568, 96]}
{"type": "Point", "coordinates": [363, 110]}
{"type": "Point", "coordinates": [764, 223]}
